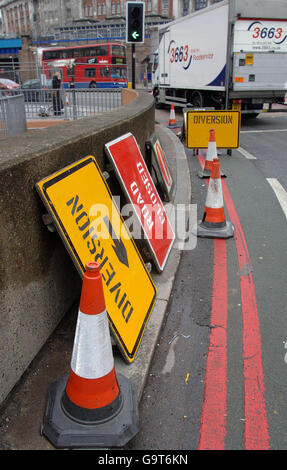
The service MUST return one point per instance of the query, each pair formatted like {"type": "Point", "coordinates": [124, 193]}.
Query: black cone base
{"type": "Point", "coordinates": [64, 432]}
{"type": "Point", "coordinates": [217, 232]}
{"type": "Point", "coordinates": [206, 174]}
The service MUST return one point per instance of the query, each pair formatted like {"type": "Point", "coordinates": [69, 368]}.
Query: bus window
{"type": "Point", "coordinates": [86, 52]}
{"type": "Point", "coordinates": [104, 72]}
{"type": "Point", "coordinates": [78, 53]}
{"type": "Point", "coordinates": [118, 50]}
{"type": "Point", "coordinates": [90, 72]}
{"type": "Point", "coordinates": [51, 55]}
{"type": "Point", "coordinates": [70, 70]}
{"type": "Point", "coordinates": [68, 54]}
{"type": "Point", "coordinates": [93, 51]}
{"type": "Point", "coordinates": [118, 60]}
{"type": "Point", "coordinates": [102, 50]}
{"type": "Point", "coordinates": [117, 72]}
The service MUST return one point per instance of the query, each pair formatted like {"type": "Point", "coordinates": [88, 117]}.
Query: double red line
{"type": "Point", "coordinates": [214, 411]}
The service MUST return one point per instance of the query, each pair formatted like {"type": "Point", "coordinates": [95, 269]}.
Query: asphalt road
{"type": "Point", "coordinates": [218, 378]}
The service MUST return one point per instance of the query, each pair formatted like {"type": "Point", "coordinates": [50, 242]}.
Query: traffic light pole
{"type": "Point", "coordinates": [133, 66]}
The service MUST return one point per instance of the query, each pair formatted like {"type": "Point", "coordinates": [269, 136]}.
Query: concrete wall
{"type": "Point", "coordinates": [38, 281]}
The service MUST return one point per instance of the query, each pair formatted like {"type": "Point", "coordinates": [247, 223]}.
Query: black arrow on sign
{"type": "Point", "coordinates": [119, 247]}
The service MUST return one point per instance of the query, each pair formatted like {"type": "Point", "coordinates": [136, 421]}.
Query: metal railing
{"type": "Point", "coordinates": [12, 115]}
{"type": "Point", "coordinates": [70, 103]}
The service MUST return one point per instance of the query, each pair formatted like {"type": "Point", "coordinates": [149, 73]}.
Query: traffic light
{"type": "Point", "coordinates": [135, 16]}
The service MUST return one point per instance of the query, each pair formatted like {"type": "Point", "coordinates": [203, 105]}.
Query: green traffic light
{"type": "Point", "coordinates": [135, 15]}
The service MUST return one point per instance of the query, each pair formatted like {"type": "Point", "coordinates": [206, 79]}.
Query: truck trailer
{"type": "Point", "coordinates": [231, 55]}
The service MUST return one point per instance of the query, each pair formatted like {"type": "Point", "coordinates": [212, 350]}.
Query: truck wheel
{"type": "Point", "coordinates": [197, 99]}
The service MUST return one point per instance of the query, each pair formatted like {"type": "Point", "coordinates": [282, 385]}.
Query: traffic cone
{"type": "Point", "coordinates": [91, 406]}
{"type": "Point", "coordinates": [210, 156]}
{"type": "Point", "coordinates": [172, 120]}
{"type": "Point", "coordinates": [214, 224]}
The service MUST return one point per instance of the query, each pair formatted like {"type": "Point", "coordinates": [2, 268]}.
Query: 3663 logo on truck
{"type": "Point", "coordinates": [180, 54]}
{"type": "Point", "coordinates": [260, 31]}
{"type": "Point", "coordinates": [185, 54]}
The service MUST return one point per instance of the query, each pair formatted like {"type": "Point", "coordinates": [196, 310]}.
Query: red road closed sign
{"type": "Point", "coordinates": [140, 190]}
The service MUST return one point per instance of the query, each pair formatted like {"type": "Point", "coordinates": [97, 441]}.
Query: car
{"type": "Point", "coordinates": [8, 85]}
{"type": "Point", "coordinates": [35, 90]}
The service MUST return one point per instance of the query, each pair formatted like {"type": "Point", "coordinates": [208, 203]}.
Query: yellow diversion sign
{"type": "Point", "coordinates": [92, 229]}
{"type": "Point", "coordinates": [225, 123]}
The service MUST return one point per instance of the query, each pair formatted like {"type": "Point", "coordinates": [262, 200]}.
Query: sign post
{"type": "Point", "coordinates": [92, 229]}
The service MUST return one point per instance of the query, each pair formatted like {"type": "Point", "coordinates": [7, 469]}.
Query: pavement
{"type": "Point", "coordinates": [22, 413]}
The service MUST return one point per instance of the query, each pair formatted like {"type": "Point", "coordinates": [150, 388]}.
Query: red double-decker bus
{"type": "Point", "coordinates": [90, 66]}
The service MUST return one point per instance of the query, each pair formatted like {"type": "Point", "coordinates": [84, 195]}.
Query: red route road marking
{"type": "Point", "coordinates": [256, 425]}
{"type": "Point", "coordinates": [213, 419]}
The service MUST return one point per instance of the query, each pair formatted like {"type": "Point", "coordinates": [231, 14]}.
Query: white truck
{"type": "Point", "coordinates": [231, 55]}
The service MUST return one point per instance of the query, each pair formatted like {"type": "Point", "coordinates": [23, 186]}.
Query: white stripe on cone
{"type": "Point", "coordinates": [211, 151]}
{"type": "Point", "coordinates": [92, 356]}
{"type": "Point", "coordinates": [214, 198]}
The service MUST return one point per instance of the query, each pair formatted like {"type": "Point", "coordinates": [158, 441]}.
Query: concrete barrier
{"type": "Point", "coordinates": [38, 280]}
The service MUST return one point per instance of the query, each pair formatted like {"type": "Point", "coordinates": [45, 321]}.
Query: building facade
{"type": "Point", "coordinates": [44, 18]}
{"type": "Point", "coordinates": [44, 23]}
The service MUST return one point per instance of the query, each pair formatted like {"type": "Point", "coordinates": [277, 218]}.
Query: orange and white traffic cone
{"type": "Point", "coordinates": [91, 406]}
{"type": "Point", "coordinates": [213, 223]}
{"type": "Point", "coordinates": [172, 120]}
{"type": "Point", "coordinates": [210, 156]}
